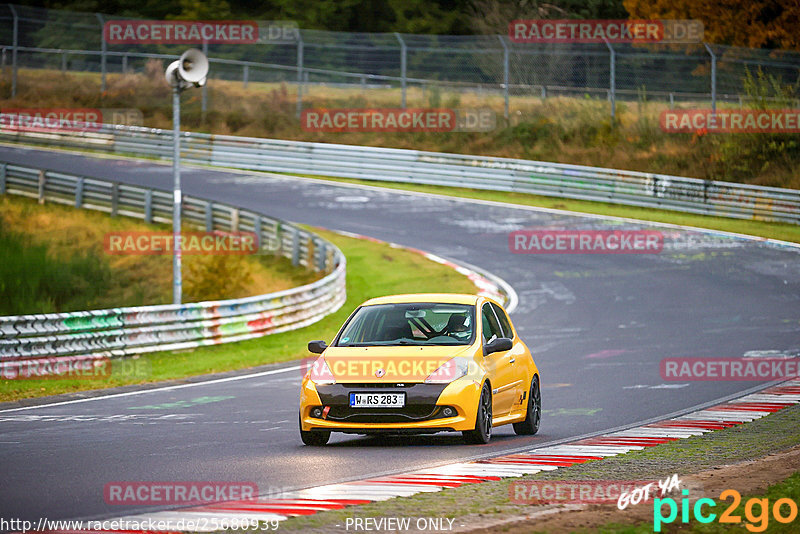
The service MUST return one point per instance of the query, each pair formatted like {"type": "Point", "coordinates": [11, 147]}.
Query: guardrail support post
{"type": "Point", "coordinates": [257, 231]}
{"type": "Point", "coordinates": [612, 90]}
{"type": "Point", "coordinates": [124, 63]}
{"type": "Point", "coordinates": [323, 256]}
{"type": "Point", "coordinates": [204, 90]}
{"type": "Point", "coordinates": [103, 49]}
{"type": "Point", "coordinates": [148, 206]}
{"type": "Point", "coordinates": [42, 179]}
{"type": "Point", "coordinates": [713, 78]}
{"type": "Point", "coordinates": [15, 45]}
{"type": "Point", "coordinates": [79, 193]}
{"type": "Point", "coordinates": [63, 61]}
{"type": "Point", "coordinates": [295, 248]}
{"type": "Point", "coordinates": [209, 217]}
{"type": "Point", "coordinates": [114, 199]}
{"type": "Point", "coordinates": [3, 173]}
{"type": "Point", "coordinates": [235, 220]}
{"type": "Point", "coordinates": [300, 47]}
{"type": "Point", "coordinates": [403, 59]}
{"type": "Point", "coordinates": [506, 75]}
{"type": "Point", "coordinates": [245, 75]}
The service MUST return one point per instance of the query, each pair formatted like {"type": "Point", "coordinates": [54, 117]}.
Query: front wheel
{"type": "Point", "coordinates": [315, 438]}
{"type": "Point", "coordinates": [483, 421]}
{"type": "Point", "coordinates": [533, 417]}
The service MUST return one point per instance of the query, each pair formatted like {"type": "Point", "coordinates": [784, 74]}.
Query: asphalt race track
{"type": "Point", "coordinates": [598, 324]}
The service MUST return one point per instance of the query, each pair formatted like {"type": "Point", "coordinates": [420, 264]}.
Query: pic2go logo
{"type": "Point", "coordinates": [702, 513]}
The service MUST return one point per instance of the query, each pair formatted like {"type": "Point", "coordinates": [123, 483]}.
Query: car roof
{"type": "Point", "coordinates": [444, 298]}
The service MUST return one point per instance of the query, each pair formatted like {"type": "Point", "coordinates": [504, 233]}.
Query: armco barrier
{"type": "Point", "coordinates": [632, 188]}
{"type": "Point", "coordinates": [76, 336]}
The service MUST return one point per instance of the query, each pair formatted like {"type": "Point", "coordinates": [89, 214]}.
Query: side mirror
{"type": "Point", "coordinates": [497, 345]}
{"type": "Point", "coordinates": [317, 347]}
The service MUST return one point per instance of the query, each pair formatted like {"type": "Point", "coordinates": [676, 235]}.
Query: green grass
{"type": "Point", "coordinates": [474, 503]}
{"type": "Point", "coordinates": [373, 269]}
{"type": "Point", "coordinates": [773, 230]}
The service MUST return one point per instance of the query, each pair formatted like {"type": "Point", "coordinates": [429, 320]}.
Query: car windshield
{"type": "Point", "coordinates": [409, 324]}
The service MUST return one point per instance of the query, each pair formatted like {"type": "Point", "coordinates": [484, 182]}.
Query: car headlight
{"type": "Point", "coordinates": [320, 373]}
{"type": "Point", "coordinates": [450, 370]}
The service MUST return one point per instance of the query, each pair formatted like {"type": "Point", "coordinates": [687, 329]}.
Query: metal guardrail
{"type": "Point", "coordinates": [692, 195]}
{"type": "Point", "coordinates": [90, 335]}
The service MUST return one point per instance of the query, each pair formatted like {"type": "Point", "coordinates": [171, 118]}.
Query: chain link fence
{"type": "Point", "coordinates": [486, 65]}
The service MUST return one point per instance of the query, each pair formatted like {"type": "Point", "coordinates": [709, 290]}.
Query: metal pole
{"type": "Point", "coordinates": [403, 54]}
{"type": "Point", "coordinates": [14, 52]}
{"type": "Point", "coordinates": [245, 75]}
{"type": "Point", "coordinates": [713, 78]}
{"type": "Point", "coordinates": [102, 54]}
{"type": "Point", "coordinates": [204, 91]}
{"type": "Point", "coordinates": [177, 284]}
{"type": "Point", "coordinates": [612, 82]}
{"type": "Point", "coordinates": [300, 47]}
{"type": "Point", "coordinates": [505, 74]}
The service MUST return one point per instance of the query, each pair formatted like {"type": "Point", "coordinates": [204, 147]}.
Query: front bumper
{"type": "Point", "coordinates": [422, 413]}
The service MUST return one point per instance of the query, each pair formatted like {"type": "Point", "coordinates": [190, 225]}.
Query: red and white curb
{"type": "Point", "coordinates": [337, 496]}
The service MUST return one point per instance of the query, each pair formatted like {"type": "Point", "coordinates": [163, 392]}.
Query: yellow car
{"type": "Point", "coordinates": [419, 364]}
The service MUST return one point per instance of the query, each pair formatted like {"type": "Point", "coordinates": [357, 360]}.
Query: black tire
{"type": "Point", "coordinates": [315, 438]}
{"type": "Point", "coordinates": [483, 420]}
{"type": "Point", "coordinates": [533, 417]}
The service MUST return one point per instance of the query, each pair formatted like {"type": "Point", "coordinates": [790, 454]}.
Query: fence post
{"type": "Point", "coordinates": [102, 54]}
{"type": "Point", "coordinates": [505, 74]}
{"type": "Point", "coordinates": [114, 199]}
{"type": "Point", "coordinates": [209, 217]}
{"type": "Point", "coordinates": [148, 206]}
{"type": "Point", "coordinates": [403, 57]}
{"type": "Point", "coordinates": [42, 180]}
{"type": "Point", "coordinates": [204, 90]}
{"type": "Point", "coordinates": [257, 231]}
{"type": "Point", "coordinates": [79, 193]}
{"type": "Point", "coordinates": [295, 247]}
{"type": "Point", "coordinates": [612, 81]}
{"type": "Point", "coordinates": [15, 45]}
{"type": "Point", "coordinates": [300, 46]}
{"type": "Point", "coordinates": [713, 78]}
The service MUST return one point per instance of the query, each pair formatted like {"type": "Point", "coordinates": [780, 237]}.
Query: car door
{"type": "Point", "coordinates": [519, 371]}
{"type": "Point", "coordinates": [501, 373]}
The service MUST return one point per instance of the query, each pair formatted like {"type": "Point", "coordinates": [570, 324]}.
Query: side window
{"type": "Point", "coordinates": [491, 329]}
{"type": "Point", "coordinates": [504, 322]}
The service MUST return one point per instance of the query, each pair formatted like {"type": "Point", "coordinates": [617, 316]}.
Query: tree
{"type": "Point", "coordinates": [753, 23]}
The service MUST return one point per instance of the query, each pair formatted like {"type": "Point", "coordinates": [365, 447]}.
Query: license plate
{"type": "Point", "coordinates": [377, 400]}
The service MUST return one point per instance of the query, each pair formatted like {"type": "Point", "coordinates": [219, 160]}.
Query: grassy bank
{"type": "Point", "coordinates": [373, 269]}
{"type": "Point", "coordinates": [561, 129]}
{"type": "Point", "coordinates": [52, 259]}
